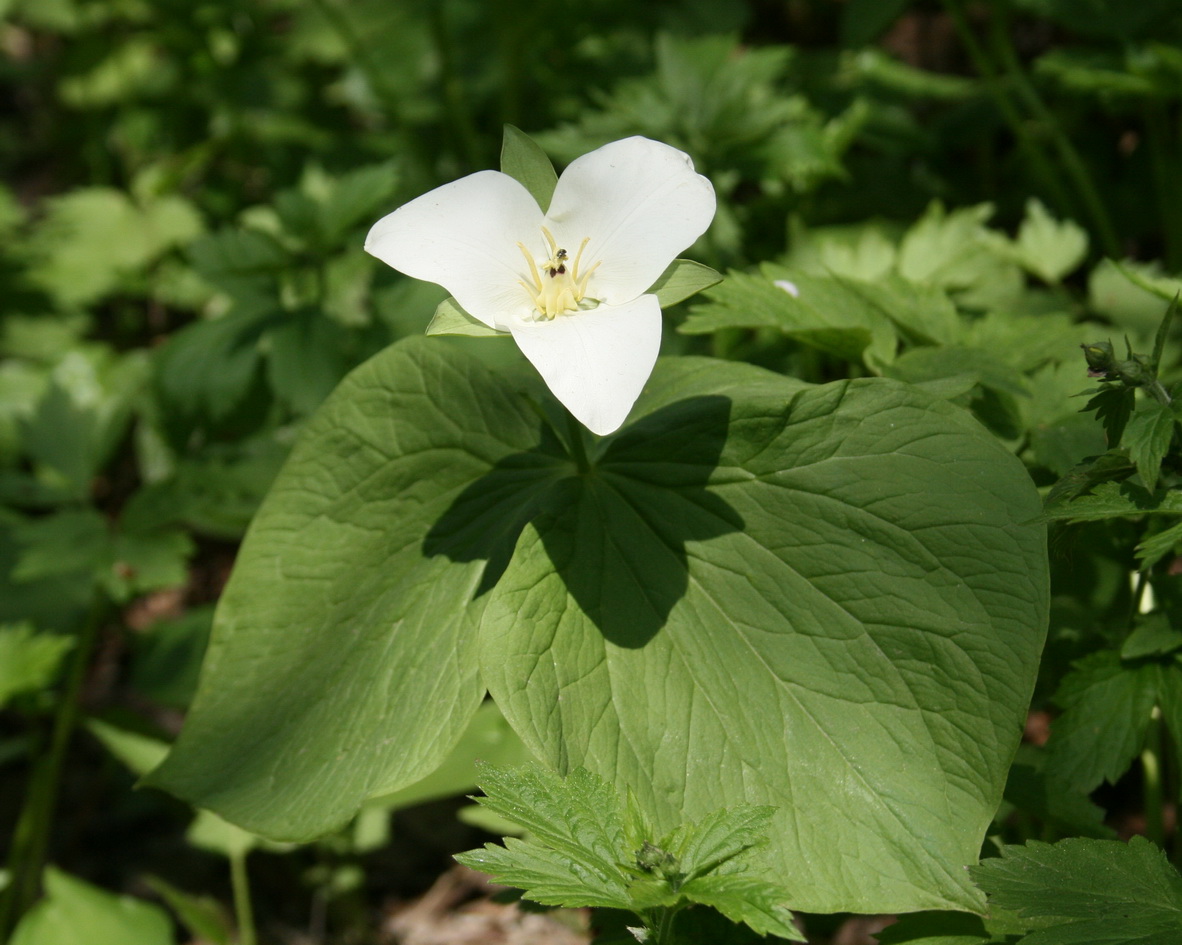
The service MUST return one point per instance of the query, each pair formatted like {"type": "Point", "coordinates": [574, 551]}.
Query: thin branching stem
{"type": "Point", "coordinates": [31, 837]}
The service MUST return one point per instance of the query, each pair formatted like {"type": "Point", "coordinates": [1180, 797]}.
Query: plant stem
{"type": "Point", "coordinates": [1165, 164]}
{"type": "Point", "coordinates": [30, 840]}
{"type": "Point", "coordinates": [996, 87]}
{"type": "Point", "coordinates": [578, 450]}
{"type": "Point", "coordinates": [1151, 776]}
{"type": "Point", "coordinates": [453, 89]}
{"type": "Point", "coordinates": [360, 53]}
{"type": "Point", "coordinates": [243, 912]}
{"type": "Point", "coordinates": [1072, 163]}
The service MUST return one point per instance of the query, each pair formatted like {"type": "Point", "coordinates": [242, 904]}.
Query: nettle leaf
{"type": "Point", "coordinates": [523, 159]}
{"type": "Point", "coordinates": [1147, 438]}
{"type": "Point", "coordinates": [1153, 636]}
{"type": "Point", "coordinates": [1047, 247]}
{"type": "Point", "coordinates": [840, 560]}
{"type": "Point", "coordinates": [718, 838]}
{"type": "Point", "coordinates": [1117, 500]}
{"type": "Point", "coordinates": [342, 663]}
{"type": "Point", "coordinates": [1054, 800]}
{"type": "Point", "coordinates": [29, 661]}
{"type": "Point", "coordinates": [576, 837]}
{"type": "Point", "coordinates": [1102, 891]}
{"type": "Point", "coordinates": [756, 903]}
{"type": "Point", "coordinates": [1107, 705]}
{"type": "Point", "coordinates": [1104, 474]}
{"type": "Point", "coordinates": [1159, 544]}
{"type": "Point", "coordinates": [1114, 406]}
{"type": "Point", "coordinates": [580, 852]}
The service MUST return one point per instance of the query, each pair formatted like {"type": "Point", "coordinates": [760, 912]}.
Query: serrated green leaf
{"type": "Point", "coordinates": [356, 196]}
{"type": "Point", "coordinates": [74, 912]}
{"type": "Point", "coordinates": [827, 312]}
{"type": "Point", "coordinates": [1152, 636]}
{"type": "Point", "coordinates": [524, 161]}
{"type": "Point", "coordinates": [1157, 545]}
{"type": "Point", "coordinates": [1104, 891]}
{"type": "Point", "coordinates": [450, 319]}
{"type": "Point", "coordinates": [705, 845]}
{"type": "Point", "coordinates": [677, 598]}
{"type": "Point", "coordinates": [681, 279]}
{"type": "Point", "coordinates": [1147, 438]}
{"type": "Point", "coordinates": [1114, 407]}
{"type": "Point", "coordinates": [550, 877]}
{"type": "Point", "coordinates": [29, 661]}
{"type": "Point", "coordinates": [1054, 801]}
{"type": "Point", "coordinates": [69, 542]}
{"type": "Point", "coordinates": [243, 263]}
{"type": "Point", "coordinates": [94, 237]}
{"type": "Point", "coordinates": [927, 364]}
{"type": "Point", "coordinates": [1104, 475]}
{"type": "Point", "coordinates": [1107, 705]}
{"type": "Point", "coordinates": [578, 815]}
{"type": "Point", "coordinates": [1117, 500]}
{"type": "Point", "coordinates": [756, 903]}
{"type": "Point", "coordinates": [1047, 247]}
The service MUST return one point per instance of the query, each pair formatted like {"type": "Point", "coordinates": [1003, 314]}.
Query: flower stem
{"type": "Point", "coordinates": [243, 911]}
{"type": "Point", "coordinates": [453, 88]}
{"type": "Point", "coordinates": [578, 449]}
{"type": "Point", "coordinates": [998, 91]}
{"type": "Point", "coordinates": [31, 836]}
{"type": "Point", "coordinates": [1072, 163]}
{"type": "Point", "coordinates": [1152, 780]}
{"type": "Point", "coordinates": [360, 53]}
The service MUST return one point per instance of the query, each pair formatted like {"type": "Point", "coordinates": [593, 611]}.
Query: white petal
{"type": "Point", "coordinates": [596, 362]}
{"type": "Point", "coordinates": [641, 203]}
{"type": "Point", "coordinates": [464, 237]}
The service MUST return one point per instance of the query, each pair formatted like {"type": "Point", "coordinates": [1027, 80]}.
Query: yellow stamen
{"type": "Point", "coordinates": [558, 285]}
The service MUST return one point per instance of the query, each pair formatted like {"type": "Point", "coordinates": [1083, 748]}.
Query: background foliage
{"type": "Point", "coordinates": [961, 193]}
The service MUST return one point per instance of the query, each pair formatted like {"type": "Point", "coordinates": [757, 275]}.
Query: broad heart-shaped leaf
{"type": "Point", "coordinates": [830, 601]}
{"type": "Point", "coordinates": [342, 663]}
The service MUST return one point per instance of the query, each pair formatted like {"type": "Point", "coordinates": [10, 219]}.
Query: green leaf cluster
{"type": "Point", "coordinates": [585, 847]}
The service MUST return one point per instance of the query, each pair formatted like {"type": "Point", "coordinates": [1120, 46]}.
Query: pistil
{"type": "Point", "coordinates": [559, 287]}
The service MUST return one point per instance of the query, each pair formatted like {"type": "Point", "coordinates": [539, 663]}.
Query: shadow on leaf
{"type": "Point", "coordinates": [615, 535]}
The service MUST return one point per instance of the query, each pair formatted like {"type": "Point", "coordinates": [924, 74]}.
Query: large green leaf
{"type": "Point", "coordinates": [827, 600]}
{"type": "Point", "coordinates": [342, 663]}
{"type": "Point", "coordinates": [831, 601]}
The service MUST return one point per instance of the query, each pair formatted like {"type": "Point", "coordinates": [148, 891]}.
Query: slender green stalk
{"type": "Point", "coordinates": [1152, 780]}
{"type": "Point", "coordinates": [243, 911]}
{"type": "Point", "coordinates": [1166, 173]}
{"type": "Point", "coordinates": [578, 450]}
{"type": "Point", "coordinates": [998, 90]}
{"type": "Point", "coordinates": [31, 837]}
{"type": "Point", "coordinates": [360, 53]}
{"type": "Point", "coordinates": [1072, 163]}
{"type": "Point", "coordinates": [453, 88]}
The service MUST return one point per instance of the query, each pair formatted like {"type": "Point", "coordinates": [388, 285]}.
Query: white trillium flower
{"type": "Point", "coordinates": [570, 284]}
